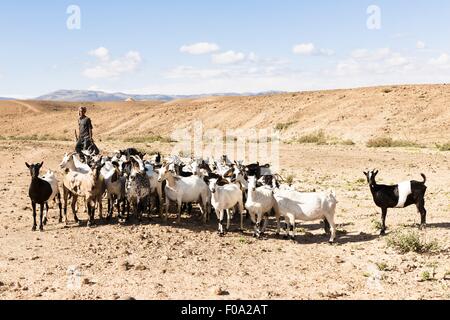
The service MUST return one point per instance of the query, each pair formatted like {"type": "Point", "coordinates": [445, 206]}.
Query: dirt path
{"type": "Point", "coordinates": [28, 106]}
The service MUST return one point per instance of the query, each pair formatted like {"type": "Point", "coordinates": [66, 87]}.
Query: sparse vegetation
{"type": "Point", "coordinates": [426, 276]}
{"type": "Point", "coordinates": [387, 142]}
{"type": "Point", "coordinates": [318, 138]}
{"type": "Point", "coordinates": [289, 179]}
{"type": "Point", "coordinates": [34, 137]}
{"type": "Point", "coordinates": [444, 147]}
{"type": "Point", "coordinates": [149, 139]}
{"type": "Point", "coordinates": [387, 90]}
{"type": "Point", "coordinates": [284, 126]}
{"type": "Point", "coordinates": [405, 242]}
{"type": "Point", "coordinates": [376, 224]}
{"type": "Point", "coordinates": [382, 266]}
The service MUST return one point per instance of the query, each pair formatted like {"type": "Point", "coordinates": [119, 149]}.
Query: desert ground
{"type": "Point", "coordinates": [156, 260]}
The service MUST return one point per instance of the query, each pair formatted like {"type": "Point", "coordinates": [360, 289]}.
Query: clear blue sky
{"type": "Point", "coordinates": [251, 45]}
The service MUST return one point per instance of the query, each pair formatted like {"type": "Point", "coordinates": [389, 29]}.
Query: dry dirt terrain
{"type": "Point", "coordinates": [153, 260]}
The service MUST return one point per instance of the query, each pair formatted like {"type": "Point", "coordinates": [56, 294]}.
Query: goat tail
{"type": "Point", "coordinates": [424, 178]}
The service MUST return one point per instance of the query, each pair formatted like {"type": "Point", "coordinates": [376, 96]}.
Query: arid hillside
{"type": "Point", "coordinates": [414, 113]}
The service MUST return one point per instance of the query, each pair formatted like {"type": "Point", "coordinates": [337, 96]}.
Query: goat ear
{"type": "Point", "coordinates": [42, 163]}
{"type": "Point", "coordinates": [366, 173]}
{"type": "Point", "coordinates": [28, 166]}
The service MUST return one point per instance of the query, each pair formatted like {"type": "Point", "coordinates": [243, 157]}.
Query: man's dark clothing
{"type": "Point", "coordinates": [85, 128]}
{"type": "Point", "coordinates": [84, 140]}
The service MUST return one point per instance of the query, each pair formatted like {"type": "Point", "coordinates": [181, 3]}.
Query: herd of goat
{"type": "Point", "coordinates": [136, 184]}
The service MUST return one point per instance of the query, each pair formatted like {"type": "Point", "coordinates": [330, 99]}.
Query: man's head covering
{"type": "Point", "coordinates": [82, 108]}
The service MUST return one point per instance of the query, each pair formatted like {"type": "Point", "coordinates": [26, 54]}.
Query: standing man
{"type": "Point", "coordinates": [85, 137]}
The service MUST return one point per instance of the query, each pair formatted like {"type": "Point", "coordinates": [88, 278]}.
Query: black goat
{"type": "Point", "coordinates": [131, 152]}
{"type": "Point", "coordinates": [256, 170]}
{"type": "Point", "coordinates": [398, 196]}
{"type": "Point", "coordinates": [40, 192]}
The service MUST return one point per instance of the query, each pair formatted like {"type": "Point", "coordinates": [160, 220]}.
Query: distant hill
{"type": "Point", "coordinates": [99, 96]}
{"type": "Point", "coordinates": [5, 98]}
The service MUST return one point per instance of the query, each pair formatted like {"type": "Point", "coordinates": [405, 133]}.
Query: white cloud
{"type": "Point", "coordinates": [379, 61]}
{"type": "Point", "coordinates": [200, 48]}
{"type": "Point", "coordinates": [108, 68]}
{"type": "Point", "coordinates": [101, 53]}
{"type": "Point", "coordinates": [376, 55]}
{"type": "Point", "coordinates": [309, 49]}
{"type": "Point", "coordinates": [229, 57]}
{"type": "Point", "coordinates": [421, 45]}
{"type": "Point", "coordinates": [442, 60]}
{"type": "Point", "coordinates": [306, 49]}
{"type": "Point", "coordinates": [188, 72]}
{"type": "Point", "coordinates": [360, 53]}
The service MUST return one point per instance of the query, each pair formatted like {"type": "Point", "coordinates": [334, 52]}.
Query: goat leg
{"type": "Point", "coordinates": [383, 221]}
{"type": "Point", "coordinates": [326, 226]}
{"type": "Point", "coordinates": [74, 205]}
{"type": "Point", "coordinates": [423, 214]}
{"type": "Point", "coordinates": [41, 218]}
{"type": "Point", "coordinates": [45, 214]}
{"type": "Point", "coordinates": [58, 197]}
{"type": "Point", "coordinates": [266, 222]}
{"type": "Point", "coordinates": [220, 218]}
{"type": "Point", "coordinates": [228, 219]}
{"type": "Point", "coordinates": [33, 204]}
{"type": "Point", "coordinates": [110, 208]}
{"type": "Point", "coordinates": [330, 220]}
{"type": "Point", "coordinates": [179, 212]}
{"type": "Point", "coordinates": [287, 227]}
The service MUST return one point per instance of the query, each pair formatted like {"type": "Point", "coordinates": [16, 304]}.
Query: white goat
{"type": "Point", "coordinates": [225, 198]}
{"type": "Point", "coordinates": [294, 206]}
{"type": "Point", "coordinates": [185, 190]}
{"type": "Point", "coordinates": [260, 201]}
{"type": "Point", "coordinates": [51, 178]}
{"type": "Point", "coordinates": [87, 185]}
{"type": "Point", "coordinates": [73, 163]}
{"type": "Point", "coordinates": [115, 186]}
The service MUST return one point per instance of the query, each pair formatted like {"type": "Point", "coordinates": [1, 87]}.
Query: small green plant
{"type": "Point", "coordinates": [284, 126]}
{"type": "Point", "coordinates": [447, 275]}
{"type": "Point", "coordinates": [382, 266]}
{"type": "Point", "coordinates": [377, 225]}
{"type": "Point", "coordinates": [411, 242]}
{"type": "Point", "coordinates": [301, 230]}
{"type": "Point", "coordinates": [444, 147]}
{"type": "Point", "coordinates": [318, 138]}
{"type": "Point", "coordinates": [289, 179]}
{"type": "Point", "coordinates": [244, 240]}
{"type": "Point", "coordinates": [426, 276]}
